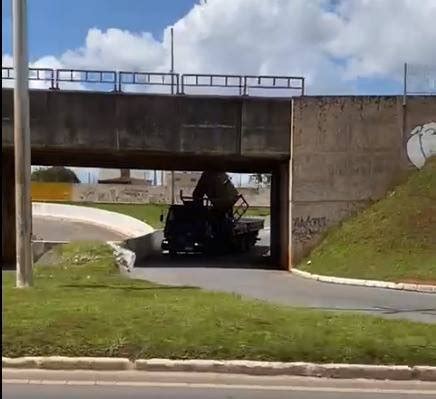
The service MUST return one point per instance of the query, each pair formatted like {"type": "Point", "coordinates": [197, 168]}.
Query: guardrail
{"type": "Point", "coordinates": [40, 74]}
{"type": "Point", "coordinates": [149, 79]}
{"type": "Point", "coordinates": [86, 76]}
{"type": "Point", "coordinates": [176, 83]}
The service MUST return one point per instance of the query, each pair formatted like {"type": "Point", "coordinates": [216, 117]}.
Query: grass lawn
{"type": "Point", "coordinates": [84, 307]}
{"type": "Point", "coordinates": [394, 239]}
{"type": "Point", "coordinates": [147, 213]}
{"type": "Point", "coordinates": [150, 213]}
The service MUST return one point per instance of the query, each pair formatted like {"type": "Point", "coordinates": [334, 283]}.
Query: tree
{"type": "Point", "coordinates": [58, 174]}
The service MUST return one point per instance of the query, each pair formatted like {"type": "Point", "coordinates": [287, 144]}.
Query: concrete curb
{"type": "Point", "coordinates": [366, 283]}
{"type": "Point", "coordinates": [330, 370]}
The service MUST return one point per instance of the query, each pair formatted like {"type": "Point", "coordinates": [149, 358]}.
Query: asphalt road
{"type": "Point", "coordinates": [250, 275]}
{"type": "Point", "coordinates": [111, 385]}
{"type": "Point", "coordinates": [51, 229]}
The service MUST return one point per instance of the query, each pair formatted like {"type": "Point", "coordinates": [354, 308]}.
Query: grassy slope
{"type": "Point", "coordinates": [84, 307]}
{"type": "Point", "coordinates": [150, 213]}
{"type": "Point", "coordinates": [394, 239]}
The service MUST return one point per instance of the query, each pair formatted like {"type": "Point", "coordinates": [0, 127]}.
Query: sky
{"type": "Point", "coordinates": [339, 46]}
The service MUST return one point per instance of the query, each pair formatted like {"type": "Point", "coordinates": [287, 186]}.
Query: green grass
{"type": "Point", "coordinates": [394, 239]}
{"type": "Point", "coordinates": [84, 307]}
{"type": "Point", "coordinates": [147, 213]}
{"type": "Point", "coordinates": [150, 213]}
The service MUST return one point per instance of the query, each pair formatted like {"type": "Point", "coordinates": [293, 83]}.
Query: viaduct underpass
{"type": "Point", "coordinates": [329, 156]}
{"type": "Point", "coordinates": [155, 132]}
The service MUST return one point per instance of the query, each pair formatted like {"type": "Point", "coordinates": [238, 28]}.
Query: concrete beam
{"type": "Point", "coordinates": [116, 125]}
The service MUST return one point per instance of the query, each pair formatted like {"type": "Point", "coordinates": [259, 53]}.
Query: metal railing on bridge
{"type": "Point", "coordinates": [163, 82]}
{"type": "Point", "coordinates": [85, 76]}
{"type": "Point", "coordinates": [35, 74]}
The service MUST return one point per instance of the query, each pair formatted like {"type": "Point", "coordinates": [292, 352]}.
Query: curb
{"type": "Point", "coordinates": [426, 288]}
{"type": "Point", "coordinates": [328, 370]}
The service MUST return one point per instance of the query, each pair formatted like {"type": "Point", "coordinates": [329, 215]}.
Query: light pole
{"type": "Point", "coordinates": [172, 92]}
{"type": "Point", "coordinates": [23, 204]}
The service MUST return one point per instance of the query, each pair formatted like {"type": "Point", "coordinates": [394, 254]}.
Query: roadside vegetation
{"type": "Point", "coordinates": [54, 174]}
{"type": "Point", "coordinates": [394, 239]}
{"type": "Point", "coordinates": [84, 307]}
{"type": "Point", "coordinates": [150, 213]}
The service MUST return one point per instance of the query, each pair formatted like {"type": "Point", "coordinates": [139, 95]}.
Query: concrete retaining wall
{"type": "Point", "coordinates": [127, 194]}
{"type": "Point", "coordinates": [347, 152]}
{"type": "Point", "coordinates": [142, 239]}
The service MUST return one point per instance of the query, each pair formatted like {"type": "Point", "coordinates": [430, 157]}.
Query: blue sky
{"type": "Point", "coordinates": [339, 46]}
{"type": "Point", "coordinates": [57, 25]}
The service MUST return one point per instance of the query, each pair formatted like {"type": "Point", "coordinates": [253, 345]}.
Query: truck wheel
{"type": "Point", "coordinates": [243, 245]}
{"type": "Point", "coordinates": [172, 253]}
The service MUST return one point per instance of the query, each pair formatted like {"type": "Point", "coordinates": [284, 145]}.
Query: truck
{"type": "Point", "coordinates": [211, 220]}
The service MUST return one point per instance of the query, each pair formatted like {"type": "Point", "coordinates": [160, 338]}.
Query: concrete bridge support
{"type": "Point", "coordinates": [8, 210]}
{"type": "Point", "coordinates": [279, 208]}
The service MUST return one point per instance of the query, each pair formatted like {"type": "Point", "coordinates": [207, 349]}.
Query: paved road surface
{"type": "Point", "coordinates": [248, 275]}
{"type": "Point", "coordinates": [75, 385]}
{"type": "Point", "coordinates": [52, 229]}
{"type": "Point", "coordinates": [284, 288]}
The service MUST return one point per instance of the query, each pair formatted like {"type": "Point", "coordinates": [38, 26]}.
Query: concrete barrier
{"type": "Point", "coordinates": [145, 245]}
{"type": "Point", "coordinates": [117, 222]}
{"type": "Point", "coordinates": [142, 239]}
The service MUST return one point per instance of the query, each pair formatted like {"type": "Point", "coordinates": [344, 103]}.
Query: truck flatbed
{"type": "Point", "coordinates": [248, 225]}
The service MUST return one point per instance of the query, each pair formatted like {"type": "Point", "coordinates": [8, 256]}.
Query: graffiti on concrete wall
{"type": "Point", "coordinates": [304, 228]}
{"type": "Point", "coordinates": [422, 144]}
{"type": "Point", "coordinates": [118, 194]}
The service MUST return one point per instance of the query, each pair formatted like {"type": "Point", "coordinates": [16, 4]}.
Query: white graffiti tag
{"type": "Point", "coordinates": [422, 144]}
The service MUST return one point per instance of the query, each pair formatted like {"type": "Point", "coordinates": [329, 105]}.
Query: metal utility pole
{"type": "Point", "coordinates": [23, 204]}
{"type": "Point", "coordinates": [172, 92]}
{"type": "Point", "coordinates": [172, 59]}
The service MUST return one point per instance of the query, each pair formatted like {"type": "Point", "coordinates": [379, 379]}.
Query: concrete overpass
{"type": "Point", "coordinates": [329, 156]}
{"type": "Point", "coordinates": [154, 131]}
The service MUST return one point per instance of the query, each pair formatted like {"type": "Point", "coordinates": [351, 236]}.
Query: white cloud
{"type": "Point", "coordinates": [330, 43]}
{"type": "Point", "coordinates": [378, 36]}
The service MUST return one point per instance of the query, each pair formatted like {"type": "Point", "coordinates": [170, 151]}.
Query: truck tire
{"type": "Point", "coordinates": [243, 244]}
{"type": "Point", "coordinates": [172, 253]}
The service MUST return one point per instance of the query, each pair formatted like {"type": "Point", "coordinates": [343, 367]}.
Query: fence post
{"type": "Point", "coordinates": [52, 80]}
{"type": "Point", "coordinates": [405, 84]}
{"type": "Point", "coordinates": [120, 78]}
{"type": "Point", "coordinates": [182, 91]}
{"type": "Point", "coordinates": [57, 79]}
